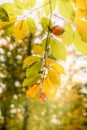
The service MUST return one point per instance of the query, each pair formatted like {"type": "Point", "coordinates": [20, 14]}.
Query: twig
{"type": "Point", "coordinates": [65, 20]}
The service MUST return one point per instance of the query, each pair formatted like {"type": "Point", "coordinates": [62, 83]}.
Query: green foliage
{"type": "Point", "coordinates": [11, 8]}
{"type": "Point", "coordinates": [3, 15]}
{"type": "Point", "coordinates": [58, 49]}
{"type": "Point", "coordinates": [31, 80]}
{"type": "Point", "coordinates": [80, 45]}
{"type": "Point", "coordinates": [47, 7]}
{"type": "Point", "coordinates": [46, 24]}
{"type": "Point", "coordinates": [66, 9]}
{"type": "Point", "coordinates": [30, 60]}
{"type": "Point", "coordinates": [24, 4]}
{"type": "Point", "coordinates": [35, 68]}
{"type": "Point", "coordinates": [67, 36]}
{"type": "Point", "coordinates": [31, 25]}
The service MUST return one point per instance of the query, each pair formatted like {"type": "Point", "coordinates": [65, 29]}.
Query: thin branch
{"type": "Point", "coordinates": [40, 6]}
{"type": "Point", "coordinates": [48, 30]}
{"type": "Point", "coordinates": [65, 20]}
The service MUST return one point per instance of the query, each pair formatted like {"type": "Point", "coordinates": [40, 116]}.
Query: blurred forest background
{"type": "Point", "coordinates": [68, 111]}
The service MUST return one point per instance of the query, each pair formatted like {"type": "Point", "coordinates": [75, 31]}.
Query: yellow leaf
{"type": "Point", "coordinates": [54, 76]}
{"type": "Point", "coordinates": [20, 30]}
{"type": "Point", "coordinates": [33, 91]}
{"type": "Point", "coordinates": [82, 28]}
{"type": "Point", "coordinates": [49, 61]}
{"type": "Point", "coordinates": [79, 14]}
{"type": "Point", "coordinates": [38, 49]}
{"type": "Point", "coordinates": [49, 88]}
{"type": "Point", "coordinates": [81, 4]}
{"type": "Point", "coordinates": [58, 68]}
{"type": "Point", "coordinates": [4, 25]}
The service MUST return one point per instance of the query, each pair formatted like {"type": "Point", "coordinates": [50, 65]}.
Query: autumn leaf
{"type": "Point", "coordinates": [82, 28]}
{"type": "Point", "coordinates": [20, 30]}
{"type": "Point", "coordinates": [57, 30]}
{"type": "Point", "coordinates": [58, 68]}
{"type": "Point", "coordinates": [33, 90]}
{"type": "Point", "coordinates": [49, 62]}
{"type": "Point", "coordinates": [81, 4]}
{"type": "Point", "coordinates": [34, 69]}
{"type": "Point", "coordinates": [67, 36]}
{"type": "Point", "coordinates": [54, 77]}
{"type": "Point", "coordinates": [43, 96]}
{"type": "Point", "coordinates": [3, 15]}
{"type": "Point", "coordinates": [30, 60]}
{"type": "Point", "coordinates": [7, 24]}
{"type": "Point", "coordinates": [49, 88]}
{"type": "Point", "coordinates": [38, 49]}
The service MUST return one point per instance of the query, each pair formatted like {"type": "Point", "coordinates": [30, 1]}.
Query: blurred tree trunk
{"type": "Point", "coordinates": [26, 118]}
{"type": "Point", "coordinates": [26, 107]}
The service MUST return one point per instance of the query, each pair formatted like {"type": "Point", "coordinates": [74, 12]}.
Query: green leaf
{"type": "Point", "coordinates": [34, 69]}
{"type": "Point", "coordinates": [8, 31]}
{"type": "Point", "coordinates": [30, 3]}
{"type": "Point", "coordinates": [46, 24]}
{"type": "Point", "coordinates": [44, 42]}
{"type": "Point", "coordinates": [3, 15]}
{"type": "Point", "coordinates": [30, 60]}
{"type": "Point", "coordinates": [47, 6]}
{"type": "Point", "coordinates": [79, 44]}
{"type": "Point", "coordinates": [25, 4]}
{"type": "Point", "coordinates": [20, 4]}
{"type": "Point", "coordinates": [67, 36]}
{"type": "Point", "coordinates": [31, 25]}
{"type": "Point", "coordinates": [11, 8]}
{"type": "Point", "coordinates": [66, 9]}
{"type": "Point", "coordinates": [31, 81]}
{"type": "Point", "coordinates": [58, 49]}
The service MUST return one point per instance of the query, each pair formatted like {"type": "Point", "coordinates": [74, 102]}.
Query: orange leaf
{"type": "Point", "coordinates": [33, 91]}
{"type": "Point", "coordinates": [57, 30]}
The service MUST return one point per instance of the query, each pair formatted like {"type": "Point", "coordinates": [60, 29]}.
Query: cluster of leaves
{"type": "Point", "coordinates": [42, 63]}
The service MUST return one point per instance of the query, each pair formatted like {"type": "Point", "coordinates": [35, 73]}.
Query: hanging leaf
{"type": "Point", "coordinates": [79, 14]}
{"type": "Point", "coordinates": [33, 90]}
{"type": "Point", "coordinates": [20, 30]}
{"type": "Point", "coordinates": [30, 3]}
{"type": "Point", "coordinates": [43, 97]}
{"type": "Point", "coordinates": [82, 28]}
{"type": "Point", "coordinates": [38, 49]}
{"type": "Point", "coordinates": [58, 49]}
{"type": "Point", "coordinates": [81, 4]}
{"type": "Point", "coordinates": [67, 36]}
{"type": "Point", "coordinates": [45, 43]}
{"type": "Point", "coordinates": [49, 88]}
{"type": "Point", "coordinates": [3, 15]}
{"type": "Point", "coordinates": [57, 30]}
{"type": "Point", "coordinates": [80, 45]}
{"type": "Point", "coordinates": [8, 31]}
{"type": "Point", "coordinates": [11, 8]}
{"type": "Point", "coordinates": [31, 81]}
{"type": "Point", "coordinates": [46, 24]}
{"type": "Point", "coordinates": [5, 25]}
{"type": "Point", "coordinates": [34, 69]}
{"type": "Point", "coordinates": [20, 4]}
{"type": "Point", "coordinates": [49, 61]}
{"type": "Point", "coordinates": [59, 68]}
{"type": "Point", "coordinates": [47, 6]}
{"type": "Point", "coordinates": [30, 60]}
{"type": "Point", "coordinates": [31, 25]}
{"type": "Point", "coordinates": [24, 4]}
{"type": "Point", "coordinates": [66, 9]}
{"type": "Point", "coordinates": [54, 76]}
